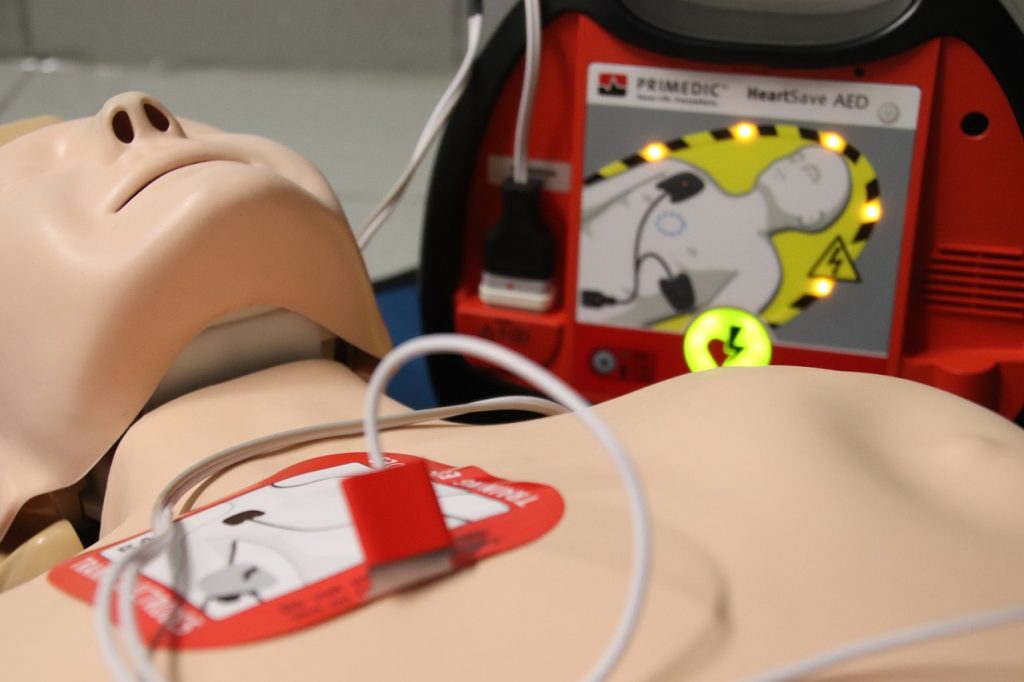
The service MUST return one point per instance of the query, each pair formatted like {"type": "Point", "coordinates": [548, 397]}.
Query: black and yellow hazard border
{"type": "Point", "coordinates": [734, 157]}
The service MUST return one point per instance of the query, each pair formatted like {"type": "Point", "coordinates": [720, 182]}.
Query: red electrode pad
{"type": "Point", "coordinates": [294, 549]}
{"type": "Point", "coordinates": [396, 513]}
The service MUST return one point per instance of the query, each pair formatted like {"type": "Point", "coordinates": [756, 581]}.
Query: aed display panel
{"type": "Point", "coordinates": [706, 189]}
{"type": "Point", "coordinates": [854, 199]}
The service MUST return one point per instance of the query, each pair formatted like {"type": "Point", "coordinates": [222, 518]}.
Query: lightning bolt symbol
{"type": "Point", "coordinates": [835, 261]}
{"type": "Point", "coordinates": [731, 349]}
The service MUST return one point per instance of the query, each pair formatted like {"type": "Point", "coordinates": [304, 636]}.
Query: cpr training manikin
{"type": "Point", "coordinates": [158, 267]}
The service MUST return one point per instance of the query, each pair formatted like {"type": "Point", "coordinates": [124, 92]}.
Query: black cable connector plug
{"type": "Point", "coordinates": [519, 253]}
{"type": "Point", "coordinates": [595, 299]}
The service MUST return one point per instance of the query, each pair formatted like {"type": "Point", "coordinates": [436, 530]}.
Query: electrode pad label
{"type": "Point", "coordinates": [284, 554]}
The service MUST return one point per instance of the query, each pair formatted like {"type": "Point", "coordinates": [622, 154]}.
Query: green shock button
{"type": "Point", "coordinates": [738, 336]}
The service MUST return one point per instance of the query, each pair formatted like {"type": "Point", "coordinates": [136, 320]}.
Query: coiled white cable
{"type": "Point", "coordinates": [557, 389]}
{"type": "Point", "coordinates": [131, 564]}
{"type": "Point", "coordinates": [438, 117]}
{"type": "Point", "coordinates": [122, 575]}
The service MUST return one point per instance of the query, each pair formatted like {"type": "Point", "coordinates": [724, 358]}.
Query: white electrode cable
{"type": "Point", "coordinates": [435, 122]}
{"type": "Point", "coordinates": [558, 390]}
{"type": "Point", "coordinates": [954, 627]}
{"type": "Point", "coordinates": [237, 454]}
{"type": "Point", "coordinates": [122, 576]}
{"type": "Point", "coordinates": [110, 583]}
{"type": "Point", "coordinates": [531, 72]}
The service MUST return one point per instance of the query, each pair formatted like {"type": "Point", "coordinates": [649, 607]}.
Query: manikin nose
{"type": "Point", "coordinates": [136, 117]}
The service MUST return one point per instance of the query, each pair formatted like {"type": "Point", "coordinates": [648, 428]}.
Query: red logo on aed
{"type": "Point", "coordinates": [613, 84]}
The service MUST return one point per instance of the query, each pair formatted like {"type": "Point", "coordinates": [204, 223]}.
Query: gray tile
{"type": "Point", "coordinates": [12, 33]}
{"type": "Point", "coordinates": [72, 91]}
{"type": "Point", "coordinates": [12, 79]}
{"type": "Point", "coordinates": [378, 34]}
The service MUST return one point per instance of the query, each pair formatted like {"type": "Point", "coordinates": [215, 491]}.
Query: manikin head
{"type": "Point", "coordinates": [122, 237]}
{"type": "Point", "coordinates": [807, 189]}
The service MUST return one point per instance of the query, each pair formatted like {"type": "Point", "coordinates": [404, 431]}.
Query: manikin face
{"type": "Point", "coordinates": [122, 237]}
{"type": "Point", "coordinates": [810, 186]}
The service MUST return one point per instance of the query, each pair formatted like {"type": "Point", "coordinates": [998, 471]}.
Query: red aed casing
{"type": "Point", "coordinates": [957, 309]}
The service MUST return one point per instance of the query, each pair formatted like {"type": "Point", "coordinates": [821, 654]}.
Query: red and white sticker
{"type": "Point", "coordinates": [283, 554]}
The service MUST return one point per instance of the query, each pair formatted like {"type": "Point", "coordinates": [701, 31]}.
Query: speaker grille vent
{"type": "Point", "coordinates": [977, 280]}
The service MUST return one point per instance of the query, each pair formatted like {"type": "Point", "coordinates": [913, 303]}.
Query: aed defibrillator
{"type": "Point", "coordinates": [850, 179]}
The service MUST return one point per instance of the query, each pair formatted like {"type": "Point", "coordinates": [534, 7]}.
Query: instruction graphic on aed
{"type": "Point", "coordinates": [784, 198]}
{"type": "Point", "coordinates": [285, 554]}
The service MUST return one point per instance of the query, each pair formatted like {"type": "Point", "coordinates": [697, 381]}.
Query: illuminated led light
{"type": "Point", "coordinates": [871, 212]}
{"type": "Point", "coordinates": [744, 132]}
{"type": "Point", "coordinates": [655, 151]}
{"type": "Point", "coordinates": [744, 338]}
{"type": "Point", "coordinates": [821, 287]}
{"type": "Point", "coordinates": [833, 141]}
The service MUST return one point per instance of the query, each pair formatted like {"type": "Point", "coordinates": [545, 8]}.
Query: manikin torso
{"type": "Point", "coordinates": [794, 510]}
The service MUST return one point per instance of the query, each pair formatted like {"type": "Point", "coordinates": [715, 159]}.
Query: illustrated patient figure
{"type": "Point", "coordinates": [666, 229]}
{"type": "Point", "coordinates": [794, 510]}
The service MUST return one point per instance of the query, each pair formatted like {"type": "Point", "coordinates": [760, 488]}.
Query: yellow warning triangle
{"type": "Point", "coordinates": [836, 263]}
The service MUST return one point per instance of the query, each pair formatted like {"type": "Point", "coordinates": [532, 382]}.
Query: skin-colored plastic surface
{"type": "Point", "coordinates": [794, 509]}
{"type": "Point", "coordinates": [124, 236]}
{"type": "Point", "coordinates": [35, 556]}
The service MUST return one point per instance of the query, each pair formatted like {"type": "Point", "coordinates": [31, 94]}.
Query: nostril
{"type": "Point", "coordinates": [121, 123]}
{"type": "Point", "coordinates": [156, 117]}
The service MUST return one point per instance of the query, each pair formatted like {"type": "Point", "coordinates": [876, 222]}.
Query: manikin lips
{"type": "Point", "coordinates": [134, 186]}
{"type": "Point", "coordinates": [151, 181]}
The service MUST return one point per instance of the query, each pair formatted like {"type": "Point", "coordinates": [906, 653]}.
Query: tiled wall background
{"type": "Point", "coordinates": [13, 28]}
{"type": "Point", "coordinates": [350, 34]}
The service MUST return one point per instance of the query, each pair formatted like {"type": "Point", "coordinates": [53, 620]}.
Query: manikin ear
{"type": "Point", "coordinates": [10, 131]}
